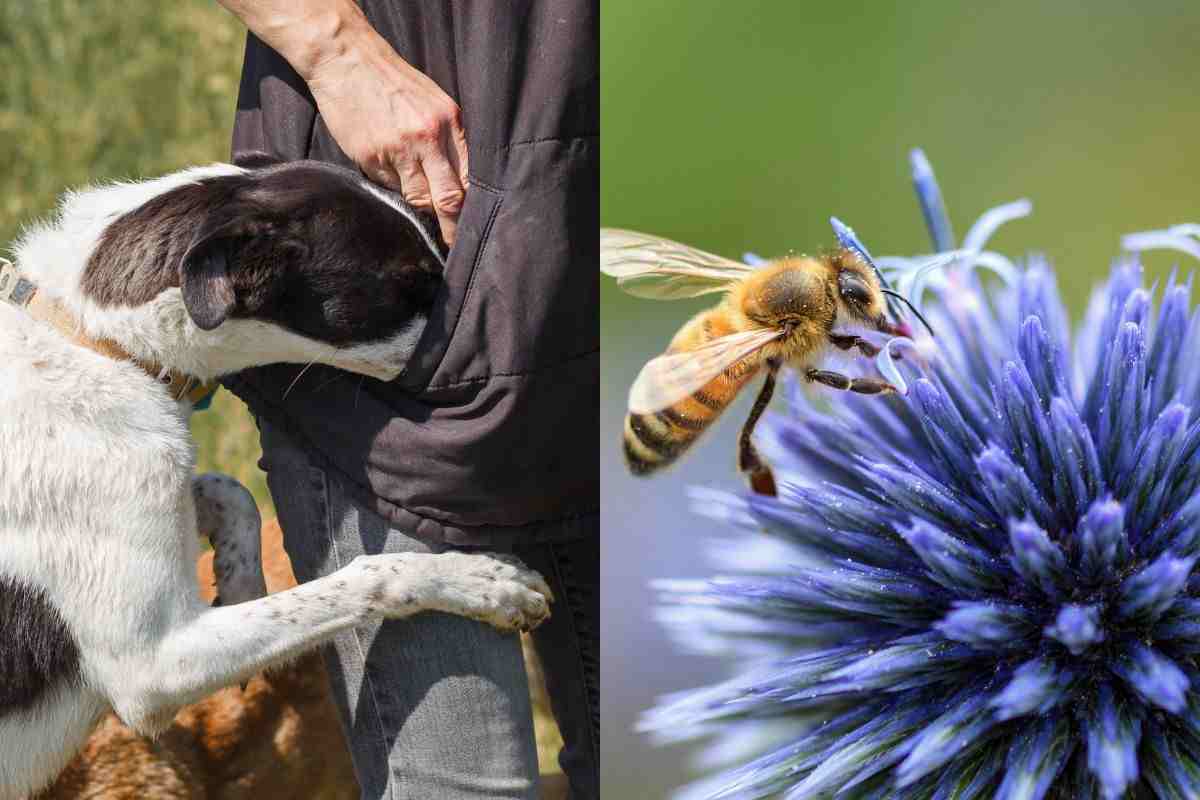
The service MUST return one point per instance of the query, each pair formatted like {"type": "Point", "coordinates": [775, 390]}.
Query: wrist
{"type": "Point", "coordinates": [313, 39]}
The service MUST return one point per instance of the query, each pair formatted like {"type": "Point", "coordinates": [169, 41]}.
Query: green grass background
{"type": "Point", "coordinates": [744, 126]}
{"type": "Point", "coordinates": [95, 90]}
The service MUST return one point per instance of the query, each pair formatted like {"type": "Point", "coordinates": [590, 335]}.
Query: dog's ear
{"type": "Point", "coordinates": [204, 279]}
{"type": "Point", "coordinates": [255, 159]}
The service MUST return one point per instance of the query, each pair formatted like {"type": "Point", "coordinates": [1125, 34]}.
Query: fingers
{"type": "Point", "coordinates": [383, 173]}
{"type": "Point", "coordinates": [458, 149]}
{"type": "Point", "coordinates": [430, 182]}
{"type": "Point", "coordinates": [431, 173]}
{"type": "Point", "coordinates": [401, 129]}
{"type": "Point", "coordinates": [413, 184]}
{"type": "Point", "coordinates": [446, 191]}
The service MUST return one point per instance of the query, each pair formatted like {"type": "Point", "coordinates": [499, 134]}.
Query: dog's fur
{"type": "Point", "coordinates": [204, 272]}
{"type": "Point", "coordinates": [278, 737]}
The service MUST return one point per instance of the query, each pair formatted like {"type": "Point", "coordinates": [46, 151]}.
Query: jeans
{"type": "Point", "coordinates": [437, 706]}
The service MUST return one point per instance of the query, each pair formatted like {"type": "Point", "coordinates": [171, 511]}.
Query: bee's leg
{"type": "Point", "coordinates": [749, 462]}
{"type": "Point", "coordinates": [850, 342]}
{"type": "Point", "coordinates": [847, 384]}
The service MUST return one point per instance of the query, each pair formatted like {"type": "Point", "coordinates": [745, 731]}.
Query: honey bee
{"type": "Point", "coordinates": [788, 311]}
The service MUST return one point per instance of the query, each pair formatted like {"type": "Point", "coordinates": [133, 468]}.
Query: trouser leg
{"type": "Point", "coordinates": [568, 645]}
{"type": "Point", "coordinates": [433, 706]}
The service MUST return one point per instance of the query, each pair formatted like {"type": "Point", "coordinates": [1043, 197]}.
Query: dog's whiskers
{"type": "Point", "coordinates": [358, 390]}
{"type": "Point", "coordinates": [296, 380]}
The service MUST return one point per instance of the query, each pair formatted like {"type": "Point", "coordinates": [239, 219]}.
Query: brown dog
{"type": "Point", "coordinates": [278, 738]}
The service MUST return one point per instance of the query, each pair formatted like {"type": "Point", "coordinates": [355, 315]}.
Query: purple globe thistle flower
{"type": "Point", "coordinates": [985, 587]}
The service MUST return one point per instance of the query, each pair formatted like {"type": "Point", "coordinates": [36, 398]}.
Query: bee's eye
{"type": "Point", "coordinates": [854, 289]}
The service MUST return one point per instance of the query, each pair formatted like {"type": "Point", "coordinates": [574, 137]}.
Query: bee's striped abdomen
{"type": "Point", "coordinates": [655, 440]}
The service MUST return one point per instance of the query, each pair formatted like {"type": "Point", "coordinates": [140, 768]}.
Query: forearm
{"type": "Point", "coordinates": [394, 121]}
{"type": "Point", "coordinates": [307, 33]}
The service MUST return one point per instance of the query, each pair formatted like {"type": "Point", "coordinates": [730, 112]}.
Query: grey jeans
{"type": "Point", "coordinates": [434, 707]}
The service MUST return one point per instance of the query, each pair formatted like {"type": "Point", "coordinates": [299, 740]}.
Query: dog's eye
{"type": "Point", "coordinates": [854, 289]}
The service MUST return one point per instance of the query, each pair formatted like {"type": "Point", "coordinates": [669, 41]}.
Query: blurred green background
{"type": "Point", "coordinates": [97, 90]}
{"type": "Point", "coordinates": [744, 126]}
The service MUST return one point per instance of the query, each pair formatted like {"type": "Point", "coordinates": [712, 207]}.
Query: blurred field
{"type": "Point", "coordinates": [99, 90]}
{"type": "Point", "coordinates": [105, 90]}
{"type": "Point", "coordinates": [744, 126]}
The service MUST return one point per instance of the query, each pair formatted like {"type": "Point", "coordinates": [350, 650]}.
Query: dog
{"type": "Point", "coordinates": [278, 736]}
{"type": "Point", "coordinates": [117, 313]}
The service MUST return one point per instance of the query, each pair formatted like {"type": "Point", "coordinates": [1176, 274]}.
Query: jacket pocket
{"type": "Point", "coordinates": [474, 228]}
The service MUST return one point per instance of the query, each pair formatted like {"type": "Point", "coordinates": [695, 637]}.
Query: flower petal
{"type": "Point", "coordinates": [1036, 759]}
{"type": "Point", "coordinates": [1122, 415]}
{"type": "Point", "coordinates": [930, 197]}
{"type": "Point", "coordinates": [971, 777]}
{"type": "Point", "coordinates": [953, 563]}
{"type": "Point", "coordinates": [910, 489]}
{"type": "Point", "coordinates": [988, 625]}
{"type": "Point", "coordinates": [1078, 479]}
{"type": "Point", "coordinates": [1100, 540]}
{"type": "Point", "coordinates": [1077, 627]}
{"type": "Point", "coordinates": [863, 753]}
{"type": "Point", "coordinates": [907, 662]}
{"type": "Point", "coordinates": [1181, 626]}
{"type": "Point", "coordinates": [1038, 299]}
{"type": "Point", "coordinates": [1011, 493]}
{"type": "Point", "coordinates": [954, 443]}
{"type": "Point", "coordinates": [1144, 466]}
{"type": "Point", "coordinates": [1169, 769]}
{"type": "Point", "coordinates": [1165, 364]}
{"type": "Point", "coordinates": [1024, 424]}
{"type": "Point", "coordinates": [1160, 240]}
{"type": "Point", "coordinates": [1155, 678]}
{"type": "Point", "coordinates": [1043, 359]}
{"type": "Point", "coordinates": [945, 737]}
{"type": "Point", "coordinates": [991, 220]}
{"type": "Point", "coordinates": [1036, 686]}
{"type": "Point", "coordinates": [1113, 734]}
{"type": "Point", "coordinates": [1146, 594]}
{"type": "Point", "coordinates": [1037, 559]}
{"type": "Point", "coordinates": [804, 524]}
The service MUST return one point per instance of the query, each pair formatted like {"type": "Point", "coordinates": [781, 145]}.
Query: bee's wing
{"type": "Point", "coordinates": [669, 378]}
{"type": "Point", "coordinates": [659, 269]}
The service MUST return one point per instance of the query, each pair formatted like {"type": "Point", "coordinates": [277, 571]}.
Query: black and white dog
{"type": "Point", "coordinates": [128, 297]}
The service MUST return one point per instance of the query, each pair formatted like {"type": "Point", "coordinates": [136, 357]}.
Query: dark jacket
{"type": "Point", "coordinates": [491, 430]}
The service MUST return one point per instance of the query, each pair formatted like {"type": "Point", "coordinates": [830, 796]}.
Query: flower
{"type": "Point", "coordinates": [984, 587]}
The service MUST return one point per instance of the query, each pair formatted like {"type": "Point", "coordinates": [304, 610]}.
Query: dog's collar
{"type": "Point", "coordinates": [19, 291]}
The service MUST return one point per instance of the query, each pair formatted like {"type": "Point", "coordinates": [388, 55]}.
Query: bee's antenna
{"type": "Point", "coordinates": [913, 308]}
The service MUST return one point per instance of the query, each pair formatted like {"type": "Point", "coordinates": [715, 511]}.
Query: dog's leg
{"type": "Point", "coordinates": [222, 646]}
{"type": "Point", "coordinates": [227, 514]}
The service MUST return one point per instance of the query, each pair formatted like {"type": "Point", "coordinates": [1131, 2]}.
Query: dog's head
{"type": "Point", "coordinates": [300, 260]}
{"type": "Point", "coordinates": [319, 251]}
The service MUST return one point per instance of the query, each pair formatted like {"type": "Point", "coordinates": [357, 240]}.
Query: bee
{"type": "Point", "coordinates": [784, 312]}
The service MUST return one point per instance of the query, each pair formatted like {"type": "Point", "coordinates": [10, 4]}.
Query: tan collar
{"type": "Point", "coordinates": [19, 291]}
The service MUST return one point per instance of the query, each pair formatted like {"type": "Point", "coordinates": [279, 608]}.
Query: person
{"type": "Point", "coordinates": [487, 115]}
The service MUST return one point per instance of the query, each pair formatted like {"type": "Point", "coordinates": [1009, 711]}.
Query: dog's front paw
{"type": "Point", "coordinates": [498, 590]}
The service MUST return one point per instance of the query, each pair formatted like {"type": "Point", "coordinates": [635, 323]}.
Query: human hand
{"type": "Point", "coordinates": [397, 125]}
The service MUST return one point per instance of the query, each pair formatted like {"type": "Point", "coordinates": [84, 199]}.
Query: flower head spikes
{"type": "Point", "coordinates": [987, 587]}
